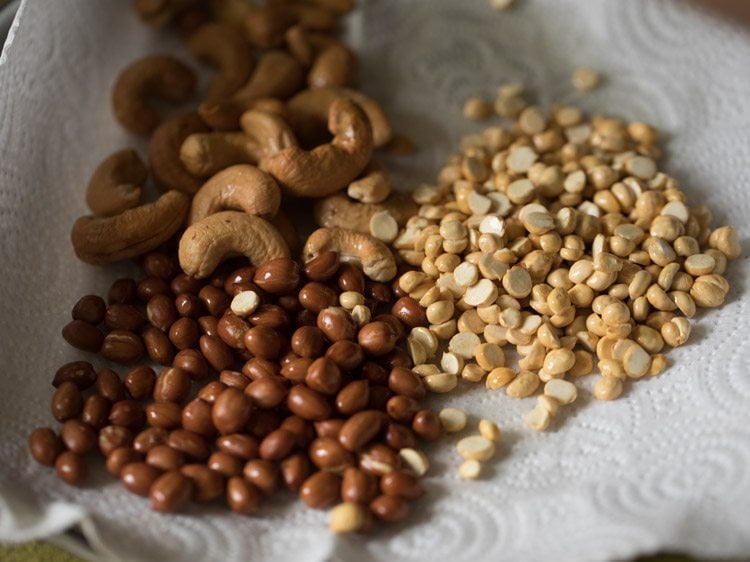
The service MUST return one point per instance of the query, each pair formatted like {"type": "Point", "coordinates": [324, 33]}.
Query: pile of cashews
{"type": "Point", "coordinates": [282, 87]}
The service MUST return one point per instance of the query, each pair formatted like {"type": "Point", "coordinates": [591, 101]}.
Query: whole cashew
{"type": "Point", "coordinates": [161, 12]}
{"type": "Point", "coordinates": [241, 188]}
{"type": "Point", "coordinates": [375, 258]}
{"type": "Point", "coordinates": [131, 233]}
{"type": "Point", "coordinates": [288, 231]}
{"type": "Point", "coordinates": [164, 152]}
{"type": "Point", "coordinates": [205, 244]}
{"type": "Point", "coordinates": [329, 167]}
{"type": "Point", "coordinates": [307, 112]}
{"type": "Point", "coordinates": [277, 75]}
{"type": "Point", "coordinates": [205, 154]}
{"type": "Point", "coordinates": [223, 46]}
{"type": "Point", "coordinates": [159, 76]}
{"type": "Point", "coordinates": [334, 66]}
{"type": "Point", "coordinates": [339, 211]}
{"type": "Point", "coordinates": [265, 26]}
{"type": "Point", "coordinates": [116, 183]}
{"type": "Point", "coordinates": [373, 186]}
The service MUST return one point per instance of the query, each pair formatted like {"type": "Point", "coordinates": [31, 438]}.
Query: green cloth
{"type": "Point", "coordinates": [35, 552]}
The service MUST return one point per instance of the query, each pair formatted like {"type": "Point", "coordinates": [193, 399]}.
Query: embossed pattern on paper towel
{"type": "Point", "coordinates": [662, 468]}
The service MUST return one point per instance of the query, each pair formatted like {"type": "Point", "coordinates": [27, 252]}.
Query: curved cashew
{"type": "Point", "coordinates": [375, 258]}
{"type": "Point", "coordinates": [242, 188]}
{"type": "Point", "coordinates": [334, 66]}
{"type": "Point", "coordinates": [373, 186]}
{"type": "Point", "coordinates": [288, 231]}
{"type": "Point", "coordinates": [264, 26]}
{"type": "Point", "coordinates": [205, 244]}
{"type": "Point", "coordinates": [164, 152]}
{"type": "Point", "coordinates": [224, 47]}
{"type": "Point", "coordinates": [131, 233]}
{"type": "Point", "coordinates": [265, 134]}
{"type": "Point", "coordinates": [115, 184]}
{"type": "Point", "coordinates": [205, 154]}
{"type": "Point", "coordinates": [277, 75]}
{"type": "Point", "coordinates": [159, 76]}
{"type": "Point", "coordinates": [340, 211]}
{"type": "Point", "coordinates": [307, 112]}
{"type": "Point", "coordinates": [161, 12]}
{"type": "Point", "coordinates": [329, 167]}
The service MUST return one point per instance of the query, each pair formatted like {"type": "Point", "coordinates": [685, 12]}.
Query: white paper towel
{"type": "Point", "coordinates": [664, 467]}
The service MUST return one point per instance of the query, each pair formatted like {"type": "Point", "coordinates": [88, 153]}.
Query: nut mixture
{"type": "Point", "coordinates": [558, 236]}
{"type": "Point", "coordinates": [271, 375]}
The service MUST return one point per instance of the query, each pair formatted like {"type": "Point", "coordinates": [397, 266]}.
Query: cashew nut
{"type": "Point", "coordinates": [307, 112]}
{"type": "Point", "coordinates": [230, 11]}
{"type": "Point", "coordinates": [373, 186]}
{"type": "Point", "coordinates": [161, 12]}
{"type": "Point", "coordinates": [334, 66]}
{"type": "Point", "coordinates": [299, 45]}
{"type": "Point", "coordinates": [337, 6]}
{"type": "Point", "coordinates": [269, 130]}
{"type": "Point", "coordinates": [312, 16]}
{"type": "Point", "coordinates": [265, 26]}
{"type": "Point", "coordinates": [339, 211]}
{"type": "Point", "coordinates": [270, 105]}
{"type": "Point", "coordinates": [159, 76]}
{"type": "Point", "coordinates": [242, 188]}
{"type": "Point", "coordinates": [164, 152]}
{"type": "Point", "coordinates": [116, 183]}
{"type": "Point", "coordinates": [287, 230]}
{"type": "Point", "coordinates": [131, 233]}
{"type": "Point", "coordinates": [205, 244]}
{"type": "Point", "coordinates": [371, 254]}
{"type": "Point", "coordinates": [223, 46]}
{"type": "Point", "coordinates": [187, 22]}
{"type": "Point", "coordinates": [204, 154]}
{"type": "Point", "coordinates": [265, 134]}
{"type": "Point", "coordinates": [329, 167]}
{"type": "Point", "coordinates": [277, 75]}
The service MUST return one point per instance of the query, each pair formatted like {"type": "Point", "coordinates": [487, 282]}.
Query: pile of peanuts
{"type": "Point", "coordinates": [313, 392]}
{"type": "Point", "coordinates": [559, 236]}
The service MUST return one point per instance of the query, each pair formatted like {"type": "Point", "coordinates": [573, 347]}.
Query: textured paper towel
{"type": "Point", "coordinates": [665, 467]}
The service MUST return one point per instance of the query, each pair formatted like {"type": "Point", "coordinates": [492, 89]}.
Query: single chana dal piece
{"type": "Point", "coordinates": [452, 419]}
{"type": "Point", "coordinates": [489, 430]}
{"type": "Point", "coordinates": [470, 469]}
{"type": "Point", "coordinates": [476, 447]}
